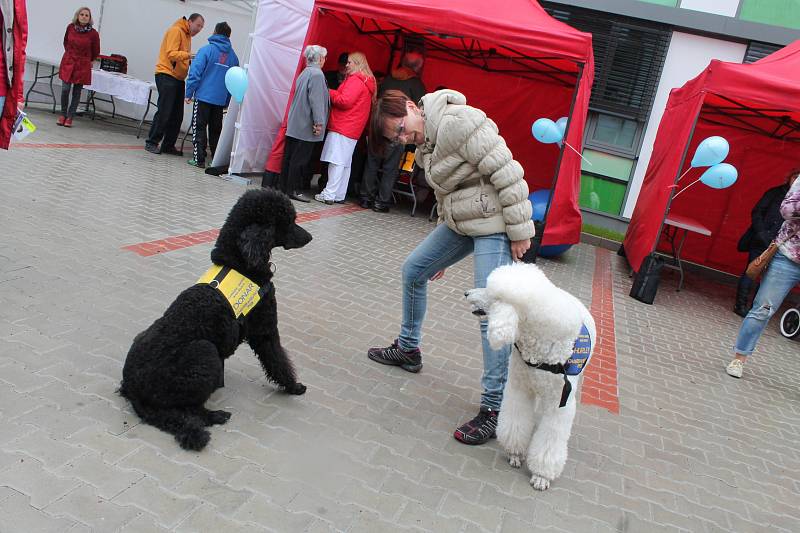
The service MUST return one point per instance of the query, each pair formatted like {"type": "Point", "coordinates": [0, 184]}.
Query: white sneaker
{"type": "Point", "coordinates": [734, 368]}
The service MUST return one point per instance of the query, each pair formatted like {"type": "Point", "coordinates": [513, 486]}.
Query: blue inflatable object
{"type": "Point", "coordinates": [539, 202]}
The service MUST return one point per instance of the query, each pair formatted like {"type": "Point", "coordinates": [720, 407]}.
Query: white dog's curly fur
{"type": "Point", "coordinates": [523, 307]}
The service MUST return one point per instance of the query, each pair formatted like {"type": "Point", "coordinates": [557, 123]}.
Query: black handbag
{"type": "Point", "coordinates": [645, 284]}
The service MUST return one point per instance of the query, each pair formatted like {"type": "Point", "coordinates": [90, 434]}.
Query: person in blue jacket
{"type": "Point", "coordinates": [206, 86]}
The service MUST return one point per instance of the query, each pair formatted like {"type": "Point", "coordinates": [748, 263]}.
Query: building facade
{"type": "Point", "coordinates": [643, 49]}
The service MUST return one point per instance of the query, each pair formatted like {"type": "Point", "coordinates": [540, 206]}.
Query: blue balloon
{"type": "Point", "coordinates": [561, 124]}
{"type": "Point", "coordinates": [546, 131]}
{"type": "Point", "coordinates": [539, 201]}
{"type": "Point", "coordinates": [720, 176]}
{"type": "Point", "coordinates": [236, 82]}
{"type": "Point", "coordinates": [711, 151]}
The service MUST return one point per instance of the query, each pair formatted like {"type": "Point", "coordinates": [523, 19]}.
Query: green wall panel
{"type": "Point", "coordinates": [601, 195]}
{"type": "Point", "coordinates": [776, 12]}
{"type": "Point", "coordinates": [607, 164]}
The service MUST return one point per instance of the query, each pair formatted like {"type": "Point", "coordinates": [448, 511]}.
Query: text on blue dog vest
{"type": "Point", "coordinates": [241, 292]}
{"type": "Point", "coordinates": [581, 352]}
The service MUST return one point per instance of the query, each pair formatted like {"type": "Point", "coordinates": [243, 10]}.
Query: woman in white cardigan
{"type": "Point", "coordinates": [483, 210]}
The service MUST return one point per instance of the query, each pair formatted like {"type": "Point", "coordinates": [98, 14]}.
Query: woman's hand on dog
{"type": "Point", "coordinates": [518, 249]}
{"type": "Point", "coordinates": [297, 388]}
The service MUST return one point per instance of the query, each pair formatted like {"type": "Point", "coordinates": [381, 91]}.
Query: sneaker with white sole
{"type": "Point", "coordinates": [735, 368]}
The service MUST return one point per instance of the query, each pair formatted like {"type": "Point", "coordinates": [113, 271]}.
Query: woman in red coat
{"type": "Point", "coordinates": [13, 38]}
{"type": "Point", "coordinates": [81, 47]}
{"type": "Point", "coordinates": [350, 107]}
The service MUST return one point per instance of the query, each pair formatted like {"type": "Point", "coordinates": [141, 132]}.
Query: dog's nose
{"type": "Point", "coordinates": [466, 293]}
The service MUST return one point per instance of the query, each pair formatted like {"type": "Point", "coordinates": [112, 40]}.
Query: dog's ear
{"type": "Point", "coordinates": [255, 244]}
{"type": "Point", "coordinates": [503, 325]}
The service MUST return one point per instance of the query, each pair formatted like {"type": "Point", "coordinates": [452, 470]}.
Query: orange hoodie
{"type": "Point", "coordinates": [173, 58]}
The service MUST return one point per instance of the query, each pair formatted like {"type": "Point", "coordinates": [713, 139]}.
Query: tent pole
{"type": "Point", "coordinates": [536, 242]}
{"type": "Point", "coordinates": [675, 180]}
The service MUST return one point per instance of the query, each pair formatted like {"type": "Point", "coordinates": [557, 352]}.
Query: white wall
{"type": "Point", "coordinates": [688, 55]}
{"type": "Point", "coordinates": [718, 7]}
{"type": "Point", "coordinates": [133, 28]}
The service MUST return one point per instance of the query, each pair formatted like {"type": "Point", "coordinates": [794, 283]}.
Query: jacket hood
{"type": "Point", "coordinates": [403, 73]}
{"type": "Point", "coordinates": [182, 24]}
{"type": "Point", "coordinates": [434, 105]}
{"type": "Point", "coordinates": [222, 43]}
{"type": "Point", "coordinates": [369, 81]}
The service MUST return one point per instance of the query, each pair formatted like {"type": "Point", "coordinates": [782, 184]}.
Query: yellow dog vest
{"type": "Point", "coordinates": [242, 293]}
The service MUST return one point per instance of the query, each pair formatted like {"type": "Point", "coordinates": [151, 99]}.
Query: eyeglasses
{"type": "Point", "coordinates": [401, 128]}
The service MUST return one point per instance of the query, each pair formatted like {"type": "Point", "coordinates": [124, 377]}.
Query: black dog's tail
{"type": "Point", "coordinates": [188, 429]}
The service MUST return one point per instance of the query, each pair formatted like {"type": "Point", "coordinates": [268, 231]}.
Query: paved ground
{"type": "Point", "coordinates": [663, 440]}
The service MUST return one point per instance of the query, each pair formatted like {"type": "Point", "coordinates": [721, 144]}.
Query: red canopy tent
{"type": "Point", "coordinates": [756, 107]}
{"type": "Point", "coordinates": [514, 62]}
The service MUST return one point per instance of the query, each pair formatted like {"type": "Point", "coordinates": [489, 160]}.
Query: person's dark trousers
{"type": "Point", "coordinates": [167, 120]}
{"type": "Point", "coordinates": [745, 286]}
{"type": "Point", "coordinates": [296, 158]}
{"type": "Point", "coordinates": [206, 126]}
{"type": "Point", "coordinates": [379, 189]}
{"type": "Point", "coordinates": [68, 108]}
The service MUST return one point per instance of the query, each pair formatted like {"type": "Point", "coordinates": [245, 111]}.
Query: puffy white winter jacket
{"type": "Point", "coordinates": [479, 186]}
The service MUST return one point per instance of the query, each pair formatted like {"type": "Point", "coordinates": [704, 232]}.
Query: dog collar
{"type": "Point", "coordinates": [581, 353]}
{"type": "Point", "coordinates": [241, 292]}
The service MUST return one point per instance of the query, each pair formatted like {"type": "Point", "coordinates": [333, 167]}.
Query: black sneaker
{"type": "Point", "coordinates": [410, 360]}
{"type": "Point", "coordinates": [480, 429]}
{"type": "Point", "coordinates": [152, 148]}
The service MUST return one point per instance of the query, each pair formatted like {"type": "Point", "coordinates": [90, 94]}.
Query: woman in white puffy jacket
{"type": "Point", "coordinates": [483, 210]}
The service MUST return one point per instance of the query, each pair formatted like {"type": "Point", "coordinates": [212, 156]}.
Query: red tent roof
{"type": "Point", "coordinates": [756, 107]}
{"type": "Point", "coordinates": [519, 24]}
{"type": "Point", "coordinates": [541, 68]}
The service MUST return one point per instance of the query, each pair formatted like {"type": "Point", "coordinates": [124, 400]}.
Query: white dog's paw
{"type": "Point", "coordinates": [540, 483]}
{"type": "Point", "coordinates": [515, 460]}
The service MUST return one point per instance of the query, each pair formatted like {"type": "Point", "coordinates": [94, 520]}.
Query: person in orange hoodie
{"type": "Point", "coordinates": [171, 70]}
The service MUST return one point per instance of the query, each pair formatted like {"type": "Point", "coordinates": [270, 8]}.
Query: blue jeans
{"type": "Point", "coordinates": [782, 274]}
{"type": "Point", "coordinates": [2, 102]}
{"type": "Point", "coordinates": [442, 248]}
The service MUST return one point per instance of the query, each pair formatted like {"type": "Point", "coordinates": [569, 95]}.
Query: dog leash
{"type": "Point", "coordinates": [555, 369]}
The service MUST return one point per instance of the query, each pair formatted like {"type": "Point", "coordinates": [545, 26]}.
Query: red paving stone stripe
{"type": "Point", "coordinates": [81, 146]}
{"type": "Point", "coordinates": [600, 377]}
{"type": "Point", "coordinates": [178, 242]}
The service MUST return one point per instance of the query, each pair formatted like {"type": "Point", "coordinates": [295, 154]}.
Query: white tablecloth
{"type": "Point", "coordinates": [120, 86]}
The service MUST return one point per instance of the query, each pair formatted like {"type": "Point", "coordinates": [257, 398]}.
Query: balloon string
{"type": "Point", "coordinates": [577, 152]}
{"type": "Point", "coordinates": [682, 175]}
{"type": "Point", "coordinates": [679, 192]}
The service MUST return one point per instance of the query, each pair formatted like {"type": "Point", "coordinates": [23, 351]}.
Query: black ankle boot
{"type": "Point", "coordinates": [741, 307]}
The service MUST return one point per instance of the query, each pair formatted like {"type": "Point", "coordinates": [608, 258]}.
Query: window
{"type": "Point", "coordinates": [613, 134]}
{"type": "Point", "coordinates": [629, 55]}
{"type": "Point", "coordinates": [757, 50]}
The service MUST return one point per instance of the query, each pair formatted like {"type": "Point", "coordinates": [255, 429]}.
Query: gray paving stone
{"type": "Point", "coordinates": [690, 448]}
{"type": "Point", "coordinates": [19, 515]}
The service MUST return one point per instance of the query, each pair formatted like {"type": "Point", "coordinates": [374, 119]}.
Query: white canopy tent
{"type": "Point", "coordinates": [276, 41]}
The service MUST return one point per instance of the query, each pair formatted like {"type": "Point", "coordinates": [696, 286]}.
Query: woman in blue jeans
{"type": "Point", "coordinates": [483, 210]}
{"type": "Point", "coordinates": [782, 274]}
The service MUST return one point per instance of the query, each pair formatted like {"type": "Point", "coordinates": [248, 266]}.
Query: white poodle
{"type": "Point", "coordinates": [553, 336]}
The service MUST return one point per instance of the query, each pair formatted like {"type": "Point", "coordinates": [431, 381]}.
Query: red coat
{"type": "Point", "coordinates": [80, 49]}
{"type": "Point", "coordinates": [351, 104]}
{"type": "Point", "coordinates": [20, 33]}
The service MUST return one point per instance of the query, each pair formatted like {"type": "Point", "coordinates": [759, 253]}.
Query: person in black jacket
{"type": "Point", "coordinates": [375, 191]}
{"type": "Point", "coordinates": [766, 220]}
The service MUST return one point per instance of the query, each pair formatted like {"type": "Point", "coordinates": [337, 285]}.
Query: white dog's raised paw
{"type": "Point", "coordinates": [540, 483]}
{"type": "Point", "coordinates": [515, 460]}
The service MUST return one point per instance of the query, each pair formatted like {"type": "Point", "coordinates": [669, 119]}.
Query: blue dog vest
{"type": "Point", "coordinates": [581, 354]}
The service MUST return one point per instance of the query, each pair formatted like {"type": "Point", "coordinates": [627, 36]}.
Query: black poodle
{"type": "Point", "coordinates": [175, 364]}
